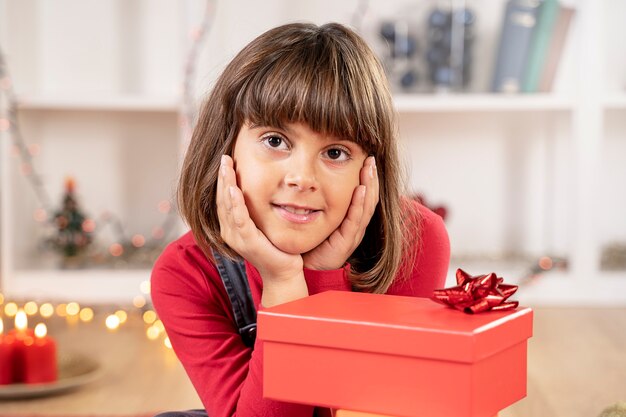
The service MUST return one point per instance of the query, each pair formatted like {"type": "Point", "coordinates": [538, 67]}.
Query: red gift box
{"type": "Point", "coordinates": [394, 355]}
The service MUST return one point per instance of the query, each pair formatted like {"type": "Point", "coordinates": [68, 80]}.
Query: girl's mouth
{"type": "Point", "coordinates": [295, 210]}
{"type": "Point", "coordinates": [296, 214]}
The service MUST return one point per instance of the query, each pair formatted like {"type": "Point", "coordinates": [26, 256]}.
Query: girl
{"type": "Point", "coordinates": [293, 167]}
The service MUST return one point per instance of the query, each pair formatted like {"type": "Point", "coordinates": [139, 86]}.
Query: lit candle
{"type": "Point", "coordinates": [7, 356]}
{"type": "Point", "coordinates": [20, 333]}
{"type": "Point", "coordinates": [21, 329]}
{"type": "Point", "coordinates": [40, 357]}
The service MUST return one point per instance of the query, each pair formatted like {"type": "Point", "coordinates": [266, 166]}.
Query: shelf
{"type": "Point", "coordinates": [100, 103]}
{"type": "Point", "coordinates": [84, 285]}
{"type": "Point", "coordinates": [481, 102]}
{"type": "Point", "coordinates": [615, 101]}
{"type": "Point", "coordinates": [604, 289]}
{"type": "Point", "coordinates": [564, 288]}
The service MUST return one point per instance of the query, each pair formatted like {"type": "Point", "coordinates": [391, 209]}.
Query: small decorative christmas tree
{"type": "Point", "coordinates": [71, 238]}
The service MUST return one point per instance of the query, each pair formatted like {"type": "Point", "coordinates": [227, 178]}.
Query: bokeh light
{"type": "Point", "coordinates": [86, 314]}
{"type": "Point", "coordinates": [149, 317]}
{"type": "Point", "coordinates": [112, 322]}
{"type": "Point", "coordinates": [46, 310]}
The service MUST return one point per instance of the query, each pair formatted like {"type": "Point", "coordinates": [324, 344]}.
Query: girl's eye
{"type": "Point", "coordinates": [338, 154]}
{"type": "Point", "coordinates": [275, 142]}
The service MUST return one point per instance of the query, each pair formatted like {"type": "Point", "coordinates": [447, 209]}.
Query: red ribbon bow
{"type": "Point", "coordinates": [476, 294]}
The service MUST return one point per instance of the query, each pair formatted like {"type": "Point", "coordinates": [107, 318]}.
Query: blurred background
{"type": "Point", "coordinates": [511, 126]}
{"type": "Point", "coordinates": [512, 121]}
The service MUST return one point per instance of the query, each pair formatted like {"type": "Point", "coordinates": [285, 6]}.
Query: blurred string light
{"type": "Point", "coordinates": [9, 123]}
{"type": "Point", "coordinates": [31, 308]}
{"type": "Point", "coordinates": [46, 310]}
{"type": "Point", "coordinates": [198, 36]}
{"type": "Point", "coordinates": [139, 301]}
{"type": "Point", "coordinates": [359, 14]}
{"type": "Point", "coordinates": [112, 322]}
{"type": "Point", "coordinates": [10, 309]}
{"type": "Point", "coordinates": [74, 313]}
{"type": "Point", "coordinates": [149, 317]}
{"type": "Point", "coordinates": [86, 315]}
{"type": "Point", "coordinates": [122, 316]}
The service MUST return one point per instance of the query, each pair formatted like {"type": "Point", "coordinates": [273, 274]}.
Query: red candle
{"type": "Point", "coordinates": [7, 356]}
{"type": "Point", "coordinates": [39, 358]}
{"type": "Point", "coordinates": [20, 333]}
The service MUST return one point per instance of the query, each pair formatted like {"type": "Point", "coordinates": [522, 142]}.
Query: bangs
{"type": "Point", "coordinates": [314, 82]}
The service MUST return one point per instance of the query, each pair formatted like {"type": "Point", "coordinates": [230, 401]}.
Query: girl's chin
{"type": "Point", "coordinates": [294, 248]}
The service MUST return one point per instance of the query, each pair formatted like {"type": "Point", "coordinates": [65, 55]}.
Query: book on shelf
{"type": "Point", "coordinates": [531, 43]}
{"type": "Point", "coordinates": [537, 51]}
{"type": "Point", "coordinates": [520, 18]}
{"type": "Point", "coordinates": [555, 48]}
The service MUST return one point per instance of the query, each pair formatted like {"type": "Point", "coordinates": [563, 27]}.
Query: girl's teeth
{"type": "Point", "coordinates": [296, 211]}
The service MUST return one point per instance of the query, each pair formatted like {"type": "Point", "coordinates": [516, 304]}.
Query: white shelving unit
{"type": "Point", "coordinates": [522, 175]}
{"type": "Point", "coordinates": [99, 91]}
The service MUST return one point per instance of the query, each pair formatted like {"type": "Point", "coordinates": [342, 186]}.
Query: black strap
{"type": "Point", "coordinates": [233, 274]}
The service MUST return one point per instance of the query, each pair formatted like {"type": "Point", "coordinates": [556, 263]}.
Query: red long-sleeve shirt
{"type": "Point", "coordinates": [190, 299]}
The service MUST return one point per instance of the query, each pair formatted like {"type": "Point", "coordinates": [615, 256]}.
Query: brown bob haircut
{"type": "Point", "coordinates": [327, 77]}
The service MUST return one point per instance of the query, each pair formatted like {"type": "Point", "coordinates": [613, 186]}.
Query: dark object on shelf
{"type": "Point", "coordinates": [520, 18]}
{"type": "Point", "coordinates": [72, 238]}
{"type": "Point", "coordinates": [449, 50]}
{"type": "Point", "coordinates": [401, 43]}
{"type": "Point", "coordinates": [442, 211]}
{"type": "Point", "coordinates": [409, 79]}
{"type": "Point", "coordinates": [614, 257]}
{"type": "Point", "coordinates": [401, 50]}
{"type": "Point", "coordinates": [388, 31]}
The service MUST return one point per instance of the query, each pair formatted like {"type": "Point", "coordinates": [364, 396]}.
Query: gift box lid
{"type": "Point", "coordinates": [392, 324]}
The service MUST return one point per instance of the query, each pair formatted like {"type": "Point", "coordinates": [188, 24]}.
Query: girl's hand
{"type": "Point", "coordinates": [241, 234]}
{"type": "Point", "coordinates": [335, 250]}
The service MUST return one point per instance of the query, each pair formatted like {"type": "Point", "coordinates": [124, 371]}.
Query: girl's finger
{"type": "Point", "coordinates": [239, 212]}
{"type": "Point", "coordinates": [220, 198]}
{"type": "Point", "coordinates": [232, 212]}
{"type": "Point", "coordinates": [369, 178]}
{"type": "Point", "coordinates": [352, 223]}
{"type": "Point", "coordinates": [227, 175]}
{"type": "Point", "coordinates": [242, 227]}
{"type": "Point", "coordinates": [374, 190]}
{"type": "Point", "coordinates": [366, 176]}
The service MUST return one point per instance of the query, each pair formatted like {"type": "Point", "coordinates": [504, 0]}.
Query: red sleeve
{"type": "Point", "coordinates": [432, 256]}
{"type": "Point", "coordinates": [190, 299]}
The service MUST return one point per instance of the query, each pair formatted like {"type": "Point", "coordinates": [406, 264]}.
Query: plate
{"type": "Point", "coordinates": [75, 370]}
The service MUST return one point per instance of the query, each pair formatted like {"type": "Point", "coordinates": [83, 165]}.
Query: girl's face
{"type": "Point", "coordinates": [297, 183]}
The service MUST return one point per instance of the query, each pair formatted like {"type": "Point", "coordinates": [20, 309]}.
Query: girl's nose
{"type": "Point", "coordinates": [301, 177]}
